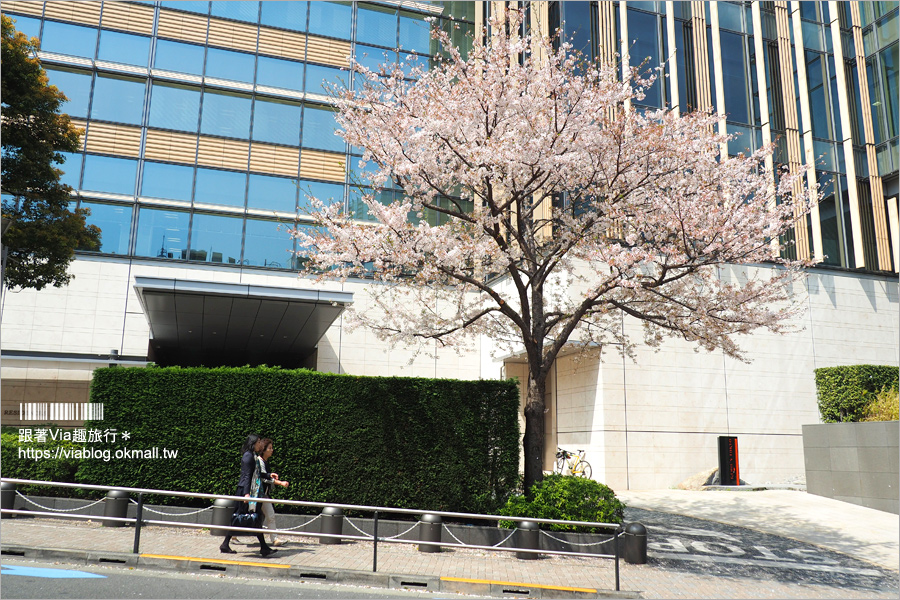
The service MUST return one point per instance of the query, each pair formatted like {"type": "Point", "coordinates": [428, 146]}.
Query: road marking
{"type": "Point", "coordinates": [519, 584]}
{"type": "Point", "coordinates": [769, 564]}
{"type": "Point", "coordinates": [218, 561]}
{"type": "Point", "coordinates": [48, 573]}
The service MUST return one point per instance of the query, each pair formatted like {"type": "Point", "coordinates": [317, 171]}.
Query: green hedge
{"type": "Point", "coordinates": [844, 393]}
{"type": "Point", "coordinates": [402, 442]}
{"type": "Point", "coordinates": [42, 460]}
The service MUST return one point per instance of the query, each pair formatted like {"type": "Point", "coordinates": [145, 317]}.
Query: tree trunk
{"type": "Point", "coordinates": [534, 430]}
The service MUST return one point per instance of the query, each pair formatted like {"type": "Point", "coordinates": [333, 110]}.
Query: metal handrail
{"type": "Point", "coordinates": [375, 538]}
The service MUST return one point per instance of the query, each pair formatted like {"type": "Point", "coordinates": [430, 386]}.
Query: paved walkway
{"type": "Point", "coordinates": [865, 534]}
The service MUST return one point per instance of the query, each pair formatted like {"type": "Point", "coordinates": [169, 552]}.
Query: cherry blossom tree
{"type": "Point", "coordinates": [538, 206]}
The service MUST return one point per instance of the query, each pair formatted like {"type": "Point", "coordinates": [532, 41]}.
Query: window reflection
{"type": "Point", "coordinates": [167, 181]}
{"type": "Point", "coordinates": [273, 193]}
{"type": "Point", "coordinates": [377, 26]}
{"type": "Point", "coordinates": [30, 27]}
{"type": "Point", "coordinates": [319, 79]}
{"type": "Point", "coordinates": [178, 57]}
{"type": "Point", "coordinates": [187, 5]}
{"type": "Point", "coordinates": [162, 233]}
{"type": "Point", "coordinates": [71, 169]}
{"type": "Point", "coordinates": [76, 85]}
{"type": "Point", "coordinates": [220, 187]}
{"type": "Point", "coordinates": [72, 40]}
{"type": "Point", "coordinates": [415, 33]}
{"type": "Point", "coordinates": [278, 73]}
{"type": "Point", "coordinates": [319, 129]}
{"type": "Point", "coordinates": [287, 15]}
{"type": "Point", "coordinates": [226, 114]}
{"type": "Point", "coordinates": [124, 48]}
{"type": "Point", "coordinates": [276, 122]}
{"type": "Point", "coordinates": [331, 19]}
{"type": "Point", "coordinates": [325, 192]}
{"type": "Point", "coordinates": [106, 174]}
{"type": "Point", "coordinates": [118, 99]}
{"type": "Point", "coordinates": [268, 244]}
{"type": "Point", "coordinates": [174, 107]}
{"type": "Point", "coordinates": [215, 239]}
{"type": "Point", "coordinates": [734, 72]}
{"type": "Point", "coordinates": [237, 10]}
{"type": "Point", "coordinates": [114, 221]}
{"type": "Point", "coordinates": [225, 64]}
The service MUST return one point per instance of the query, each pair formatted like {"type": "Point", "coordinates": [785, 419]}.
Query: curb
{"type": "Point", "coordinates": [239, 568]}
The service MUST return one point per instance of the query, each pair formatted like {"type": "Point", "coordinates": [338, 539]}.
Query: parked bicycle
{"type": "Point", "coordinates": [572, 463]}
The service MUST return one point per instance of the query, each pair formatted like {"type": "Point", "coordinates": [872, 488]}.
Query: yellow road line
{"type": "Point", "coordinates": [218, 561]}
{"type": "Point", "coordinates": [518, 584]}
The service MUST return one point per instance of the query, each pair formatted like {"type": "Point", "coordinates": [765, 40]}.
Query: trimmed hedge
{"type": "Point", "coordinates": [399, 442]}
{"type": "Point", "coordinates": [844, 393]}
{"type": "Point", "coordinates": [38, 460]}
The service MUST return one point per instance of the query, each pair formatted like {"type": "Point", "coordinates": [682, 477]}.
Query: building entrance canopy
{"type": "Point", "coordinates": [214, 324]}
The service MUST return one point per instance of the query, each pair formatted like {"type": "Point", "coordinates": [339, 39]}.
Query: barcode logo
{"type": "Point", "coordinates": [61, 411]}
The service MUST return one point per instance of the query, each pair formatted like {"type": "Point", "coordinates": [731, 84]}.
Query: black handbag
{"type": "Point", "coordinates": [250, 520]}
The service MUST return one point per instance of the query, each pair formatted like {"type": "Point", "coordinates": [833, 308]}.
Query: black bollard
{"type": "Point", "coordinates": [115, 505]}
{"type": "Point", "coordinates": [332, 523]}
{"type": "Point", "coordinates": [528, 537]}
{"type": "Point", "coordinates": [8, 497]}
{"type": "Point", "coordinates": [635, 542]}
{"type": "Point", "coordinates": [222, 512]}
{"type": "Point", "coordinates": [430, 531]}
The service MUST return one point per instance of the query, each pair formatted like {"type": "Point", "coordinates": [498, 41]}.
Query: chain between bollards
{"type": "Point", "coordinates": [137, 524]}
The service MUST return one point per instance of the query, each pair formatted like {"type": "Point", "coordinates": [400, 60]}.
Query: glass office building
{"type": "Point", "coordinates": [208, 124]}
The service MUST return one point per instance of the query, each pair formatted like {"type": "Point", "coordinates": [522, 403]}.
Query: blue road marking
{"type": "Point", "coordinates": [49, 573]}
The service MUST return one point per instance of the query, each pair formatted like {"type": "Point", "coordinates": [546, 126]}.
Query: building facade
{"type": "Point", "coordinates": [207, 125]}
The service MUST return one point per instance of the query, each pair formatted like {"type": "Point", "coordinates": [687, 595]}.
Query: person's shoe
{"type": "Point", "coordinates": [226, 549]}
{"type": "Point", "coordinates": [277, 542]}
{"type": "Point", "coordinates": [266, 551]}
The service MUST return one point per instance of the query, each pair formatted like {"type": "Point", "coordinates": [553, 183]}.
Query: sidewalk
{"type": "Point", "coordinates": [862, 533]}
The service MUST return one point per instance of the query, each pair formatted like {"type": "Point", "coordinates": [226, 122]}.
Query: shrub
{"type": "Point", "coordinates": [567, 498]}
{"type": "Point", "coordinates": [885, 406]}
{"type": "Point", "coordinates": [845, 392]}
{"type": "Point", "coordinates": [27, 460]}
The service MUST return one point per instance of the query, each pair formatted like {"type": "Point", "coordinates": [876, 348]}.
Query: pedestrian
{"type": "Point", "coordinates": [248, 481]}
{"type": "Point", "coordinates": [249, 444]}
{"type": "Point", "coordinates": [269, 479]}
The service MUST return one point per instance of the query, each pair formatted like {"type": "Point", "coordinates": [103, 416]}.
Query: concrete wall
{"type": "Point", "coordinates": [854, 462]}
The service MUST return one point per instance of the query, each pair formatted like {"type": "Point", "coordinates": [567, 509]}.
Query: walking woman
{"type": "Point", "coordinates": [248, 481]}
{"type": "Point", "coordinates": [268, 479]}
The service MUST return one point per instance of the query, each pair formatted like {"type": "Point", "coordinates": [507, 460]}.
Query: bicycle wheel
{"type": "Point", "coordinates": [560, 464]}
{"type": "Point", "coordinates": [583, 469]}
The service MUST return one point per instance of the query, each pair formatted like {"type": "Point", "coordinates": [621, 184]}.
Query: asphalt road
{"type": "Point", "coordinates": [705, 547]}
{"type": "Point", "coordinates": [22, 578]}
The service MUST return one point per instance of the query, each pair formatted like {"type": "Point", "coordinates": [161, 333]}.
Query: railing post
{"type": "Point", "coordinates": [616, 544]}
{"type": "Point", "coordinates": [375, 544]}
{"type": "Point", "coordinates": [137, 524]}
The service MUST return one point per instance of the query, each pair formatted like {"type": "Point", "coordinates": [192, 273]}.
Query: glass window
{"type": "Point", "coordinates": [318, 79]}
{"type": "Point", "coordinates": [220, 187]}
{"type": "Point", "coordinates": [375, 25]}
{"type": "Point", "coordinates": [174, 107]}
{"type": "Point", "coordinates": [239, 11]}
{"type": "Point", "coordinates": [319, 129]}
{"type": "Point", "coordinates": [216, 239]}
{"type": "Point", "coordinates": [226, 114]}
{"type": "Point", "coordinates": [106, 174]}
{"type": "Point", "coordinates": [644, 28]}
{"type": "Point", "coordinates": [124, 48]}
{"type": "Point", "coordinates": [187, 5]}
{"type": "Point", "coordinates": [460, 10]}
{"type": "Point", "coordinates": [888, 60]}
{"type": "Point", "coordinates": [71, 169]}
{"type": "Point", "coordinates": [734, 73]}
{"type": "Point", "coordinates": [179, 57]}
{"type": "Point", "coordinates": [818, 96]}
{"type": "Point", "coordinates": [118, 99]}
{"type": "Point", "coordinates": [730, 16]}
{"type": "Point", "coordinates": [225, 64]}
{"type": "Point", "coordinates": [114, 221]}
{"type": "Point", "coordinates": [331, 19]}
{"type": "Point", "coordinates": [273, 193]}
{"type": "Point", "coordinates": [167, 181]}
{"type": "Point", "coordinates": [415, 33]}
{"type": "Point", "coordinates": [72, 40]}
{"type": "Point", "coordinates": [30, 27]}
{"type": "Point", "coordinates": [276, 122]}
{"type": "Point", "coordinates": [287, 15]}
{"type": "Point", "coordinates": [279, 73]}
{"type": "Point", "coordinates": [161, 232]}
{"type": "Point", "coordinates": [326, 192]}
{"type": "Point", "coordinates": [578, 19]}
{"type": "Point", "coordinates": [268, 244]}
{"type": "Point", "coordinates": [76, 85]}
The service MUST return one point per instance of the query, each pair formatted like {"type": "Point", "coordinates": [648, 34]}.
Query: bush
{"type": "Point", "coordinates": [845, 392]}
{"type": "Point", "coordinates": [884, 407]}
{"type": "Point", "coordinates": [27, 460]}
{"type": "Point", "coordinates": [567, 498]}
{"type": "Point", "coordinates": [430, 444]}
